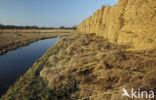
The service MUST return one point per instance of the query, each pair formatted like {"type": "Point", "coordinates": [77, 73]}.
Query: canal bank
{"type": "Point", "coordinates": [15, 63]}
{"type": "Point", "coordinates": [85, 67]}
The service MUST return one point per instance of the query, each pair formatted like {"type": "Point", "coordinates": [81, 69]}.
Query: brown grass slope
{"type": "Point", "coordinates": [130, 22]}
{"type": "Point", "coordinates": [101, 69]}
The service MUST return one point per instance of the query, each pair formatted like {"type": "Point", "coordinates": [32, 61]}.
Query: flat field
{"type": "Point", "coordinates": [14, 38]}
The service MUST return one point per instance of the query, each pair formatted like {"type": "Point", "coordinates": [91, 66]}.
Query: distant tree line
{"type": "Point", "coordinates": [33, 27]}
{"type": "Point", "coordinates": [62, 27]}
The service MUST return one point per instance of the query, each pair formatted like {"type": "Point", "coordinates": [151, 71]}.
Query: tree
{"type": "Point", "coordinates": [62, 27]}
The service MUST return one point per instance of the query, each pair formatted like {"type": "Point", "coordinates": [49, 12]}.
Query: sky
{"type": "Point", "coordinates": [48, 13]}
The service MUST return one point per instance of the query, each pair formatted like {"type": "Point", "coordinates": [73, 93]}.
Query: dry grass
{"type": "Point", "coordinates": [87, 67]}
{"type": "Point", "coordinates": [102, 69]}
{"type": "Point", "coordinates": [11, 39]}
{"type": "Point", "coordinates": [33, 31]}
{"type": "Point", "coordinates": [31, 86]}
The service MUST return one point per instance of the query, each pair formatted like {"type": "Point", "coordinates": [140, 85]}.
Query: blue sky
{"type": "Point", "coordinates": [48, 13]}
